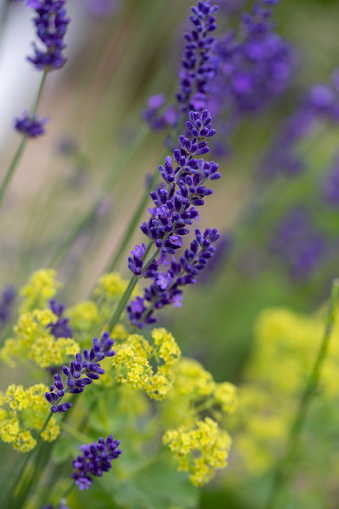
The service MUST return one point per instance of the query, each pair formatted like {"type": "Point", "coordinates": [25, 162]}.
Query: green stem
{"type": "Point", "coordinates": [17, 156]}
{"type": "Point", "coordinates": [68, 491]}
{"type": "Point", "coordinates": [17, 479]}
{"type": "Point", "coordinates": [126, 296]}
{"type": "Point", "coordinates": [135, 220]}
{"type": "Point", "coordinates": [284, 466]}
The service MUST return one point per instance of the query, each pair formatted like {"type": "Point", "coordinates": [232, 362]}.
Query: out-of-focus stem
{"type": "Point", "coordinates": [9, 496]}
{"type": "Point", "coordinates": [17, 156]}
{"type": "Point", "coordinates": [283, 469]}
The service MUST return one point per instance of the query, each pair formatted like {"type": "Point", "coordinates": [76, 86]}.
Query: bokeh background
{"type": "Point", "coordinates": [85, 178]}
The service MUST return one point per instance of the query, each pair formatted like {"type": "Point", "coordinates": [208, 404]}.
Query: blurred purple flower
{"type": "Point", "coordinates": [320, 104]}
{"type": "Point", "coordinates": [32, 127]}
{"type": "Point", "coordinates": [299, 244]}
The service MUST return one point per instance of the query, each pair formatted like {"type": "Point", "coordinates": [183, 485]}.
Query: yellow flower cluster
{"type": "Point", "coordinates": [26, 410]}
{"type": "Point", "coordinates": [132, 362]}
{"type": "Point", "coordinates": [286, 345]}
{"type": "Point", "coordinates": [201, 450]}
{"type": "Point", "coordinates": [84, 317]}
{"type": "Point", "coordinates": [201, 446]}
{"type": "Point", "coordinates": [110, 287]}
{"type": "Point", "coordinates": [33, 341]}
{"type": "Point", "coordinates": [41, 287]}
{"type": "Point", "coordinates": [194, 388]}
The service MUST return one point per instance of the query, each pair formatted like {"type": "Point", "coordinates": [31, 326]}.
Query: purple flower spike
{"type": "Point", "coordinates": [51, 24]}
{"type": "Point", "coordinates": [171, 217]}
{"type": "Point", "coordinates": [81, 372]}
{"type": "Point", "coordinates": [95, 459]}
{"type": "Point", "coordinates": [198, 68]}
{"type": "Point", "coordinates": [32, 127]}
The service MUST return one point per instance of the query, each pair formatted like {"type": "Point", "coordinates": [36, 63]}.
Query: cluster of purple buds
{"type": "Point", "coordinates": [94, 460]}
{"type": "Point", "coordinates": [330, 185]}
{"type": "Point", "coordinates": [87, 364]}
{"type": "Point", "coordinates": [320, 104]}
{"type": "Point", "coordinates": [7, 298]}
{"type": "Point", "coordinates": [299, 244]}
{"type": "Point", "coordinates": [32, 127]}
{"type": "Point", "coordinates": [175, 206]}
{"type": "Point", "coordinates": [198, 68]}
{"type": "Point", "coordinates": [51, 24]}
{"type": "Point", "coordinates": [167, 286]}
{"type": "Point", "coordinates": [60, 328]}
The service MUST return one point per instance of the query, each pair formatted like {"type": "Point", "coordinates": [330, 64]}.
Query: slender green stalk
{"type": "Point", "coordinates": [125, 298]}
{"type": "Point", "coordinates": [284, 467]}
{"type": "Point", "coordinates": [68, 491]}
{"type": "Point", "coordinates": [17, 156]}
{"type": "Point", "coordinates": [135, 220]}
{"type": "Point", "coordinates": [20, 474]}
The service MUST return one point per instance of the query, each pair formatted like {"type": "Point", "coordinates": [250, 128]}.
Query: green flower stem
{"type": "Point", "coordinates": [284, 467]}
{"type": "Point", "coordinates": [40, 462]}
{"type": "Point", "coordinates": [126, 296]}
{"type": "Point", "coordinates": [17, 156]}
{"type": "Point", "coordinates": [68, 491]}
{"type": "Point", "coordinates": [135, 220]}
{"type": "Point", "coordinates": [17, 480]}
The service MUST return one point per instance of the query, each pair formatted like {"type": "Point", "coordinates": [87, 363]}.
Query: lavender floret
{"type": "Point", "coordinates": [31, 127]}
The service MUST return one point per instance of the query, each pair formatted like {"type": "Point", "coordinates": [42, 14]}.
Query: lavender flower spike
{"type": "Point", "coordinates": [86, 364]}
{"type": "Point", "coordinates": [198, 68]}
{"type": "Point", "coordinates": [51, 23]}
{"type": "Point", "coordinates": [171, 217]}
{"type": "Point", "coordinates": [94, 460]}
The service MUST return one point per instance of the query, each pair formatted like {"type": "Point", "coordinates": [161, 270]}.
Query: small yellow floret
{"type": "Point", "coordinates": [41, 287]}
{"type": "Point", "coordinates": [226, 395]}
